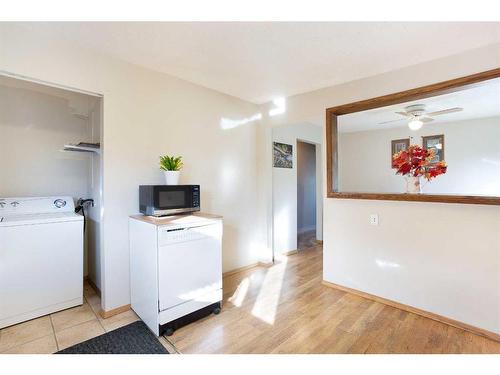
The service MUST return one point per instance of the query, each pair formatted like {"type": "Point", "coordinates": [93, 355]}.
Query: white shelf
{"type": "Point", "coordinates": [80, 148]}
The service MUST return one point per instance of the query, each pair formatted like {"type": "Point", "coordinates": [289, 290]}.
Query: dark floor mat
{"type": "Point", "coordinates": [134, 338]}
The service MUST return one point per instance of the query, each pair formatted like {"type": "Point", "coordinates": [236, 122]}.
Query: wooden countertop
{"type": "Point", "coordinates": [174, 219]}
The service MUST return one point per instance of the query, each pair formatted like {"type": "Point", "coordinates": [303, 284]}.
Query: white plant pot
{"type": "Point", "coordinates": [172, 177]}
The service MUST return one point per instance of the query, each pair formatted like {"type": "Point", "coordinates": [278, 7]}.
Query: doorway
{"type": "Point", "coordinates": [306, 195]}
{"type": "Point", "coordinates": [285, 198]}
{"type": "Point", "coordinates": [58, 132]}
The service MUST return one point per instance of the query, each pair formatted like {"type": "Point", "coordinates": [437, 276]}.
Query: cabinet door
{"type": "Point", "coordinates": [189, 264]}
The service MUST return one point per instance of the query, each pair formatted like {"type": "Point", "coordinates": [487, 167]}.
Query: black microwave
{"type": "Point", "coordinates": [161, 200]}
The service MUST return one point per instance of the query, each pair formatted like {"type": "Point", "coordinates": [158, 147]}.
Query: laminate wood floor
{"type": "Point", "coordinates": [286, 309]}
{"type": "Point", "coordinates": [306, 240]}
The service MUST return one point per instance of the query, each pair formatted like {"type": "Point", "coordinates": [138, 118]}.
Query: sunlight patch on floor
{"type": "Point", "coordinates": [240, 293]}
{"type": "Point", "coordinates": [265, 307]}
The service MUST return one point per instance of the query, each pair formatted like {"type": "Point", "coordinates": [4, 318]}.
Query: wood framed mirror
{"type": "Point", "coordinates": [465, 111]}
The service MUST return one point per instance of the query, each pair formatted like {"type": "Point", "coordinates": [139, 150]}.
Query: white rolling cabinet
{"type": "Point", "coordinates": [175, 269]}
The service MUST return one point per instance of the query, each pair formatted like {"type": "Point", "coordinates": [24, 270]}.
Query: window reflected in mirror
{"type": "Point", "coordinates": [446, 144]}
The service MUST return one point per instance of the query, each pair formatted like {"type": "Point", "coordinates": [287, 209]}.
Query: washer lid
{"type": "Point", "coordinates": [59, 217]}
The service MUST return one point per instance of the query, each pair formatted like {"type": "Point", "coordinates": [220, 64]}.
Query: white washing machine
{"type": "Point", "coordinates": [41, 257]}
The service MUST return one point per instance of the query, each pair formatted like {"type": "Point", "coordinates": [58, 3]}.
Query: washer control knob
{"type": "Point", "coordinates": [59, 203]}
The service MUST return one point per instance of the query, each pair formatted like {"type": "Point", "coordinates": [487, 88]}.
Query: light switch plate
{"type": "Point", "coordinates": [374, 219]}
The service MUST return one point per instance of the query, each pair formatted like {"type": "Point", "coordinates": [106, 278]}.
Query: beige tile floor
{"type": "Point", "coordinates": [54, 332]}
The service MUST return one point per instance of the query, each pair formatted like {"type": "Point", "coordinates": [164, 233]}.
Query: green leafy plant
{"type": "Point", "coordinates": [171, 163]}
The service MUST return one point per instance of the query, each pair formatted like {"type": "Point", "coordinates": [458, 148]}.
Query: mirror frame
{"type": "Point", "coordinates": [445, 87]}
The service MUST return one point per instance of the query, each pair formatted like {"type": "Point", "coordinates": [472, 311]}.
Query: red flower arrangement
{"type": "Point", "coordinates": [416, 162]}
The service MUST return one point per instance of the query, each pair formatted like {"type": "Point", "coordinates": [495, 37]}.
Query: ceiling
{"type": "Point", "coordinates": [477, 102]}
{"type": "Point", "coordinates": [258, 62]}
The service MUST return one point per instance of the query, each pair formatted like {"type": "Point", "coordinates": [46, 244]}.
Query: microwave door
{"type": "Point", "coordinates": [172, 199]}
{"type": "Point", "coordinates": [176, 199]}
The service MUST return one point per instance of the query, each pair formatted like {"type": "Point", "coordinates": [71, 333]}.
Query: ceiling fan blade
{"type": "Point", "coordinates": [405, 114]}
{"type": "Point", "coordinates": [444, 111]}
{"type": "Point", "coordinates": [426, 119]}
{"type": "Point", "coordinates": [387, 122]}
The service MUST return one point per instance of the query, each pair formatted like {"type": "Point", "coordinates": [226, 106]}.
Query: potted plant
{"type": "Point", "coordinates": [415, 163]}
{"type": "Point", "coordinates": [171, 167]}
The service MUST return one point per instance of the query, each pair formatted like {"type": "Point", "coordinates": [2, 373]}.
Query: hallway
{"type": "Point", "coordinates": [306, 240]}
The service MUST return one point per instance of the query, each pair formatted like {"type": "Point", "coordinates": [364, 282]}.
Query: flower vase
{"type": "Point", "coordinates": [413, 185]}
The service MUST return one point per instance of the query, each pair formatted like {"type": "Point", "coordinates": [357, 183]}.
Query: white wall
{"type": "Point", "coordinates": [460, 276]}
{"type": "Point", "coordinates": [146, 114]}
{"type": "Point", "coordinates": [472, 152]}
{"type": "Point", "coordinates": [442, 258]}
{"type": "Point", "coordinates": [284, 187]}
{"type": "Point", "coordinates": [34, 126]}
{"type": "Point", "coordinates": [306, 187]}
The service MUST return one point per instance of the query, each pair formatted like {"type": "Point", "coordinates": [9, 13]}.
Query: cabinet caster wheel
{"type": "Point", "coordinates": [169, 332]}
{"type": "Point", "coordinates": [217, 311]}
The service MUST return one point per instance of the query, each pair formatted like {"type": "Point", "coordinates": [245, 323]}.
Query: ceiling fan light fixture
{"type": "Point", "coordinates": [415, 124]}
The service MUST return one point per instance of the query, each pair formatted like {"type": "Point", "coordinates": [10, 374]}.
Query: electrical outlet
{"type": "Point", "coordinates": [374, 219]}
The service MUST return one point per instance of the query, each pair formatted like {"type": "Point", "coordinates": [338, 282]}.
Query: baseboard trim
{"type": "Point", "coordinates": [240, 269]}
{"type": "Point", "coordinates": [246, 268]}
{"type": "Point", "coordinates": [112, 312]}
{"type": "Point", "coordinates": [291, 252]}
{"type": "Point", "coordinates": [415, 310]}
{"type": "Point", "coordinates": [264, 264]}
{"type": "Point", "coordinates": [93, 286]}
{"type": "Point", "coordinates": [305, 230]}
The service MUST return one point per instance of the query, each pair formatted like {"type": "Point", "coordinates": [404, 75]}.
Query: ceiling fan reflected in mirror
{"type": "Point", "coordinates": [417, 115]}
